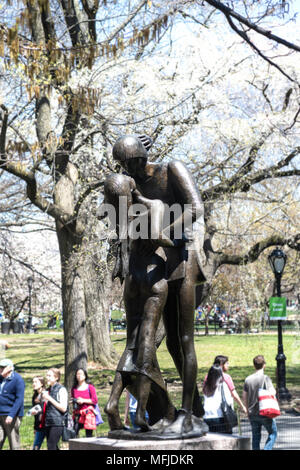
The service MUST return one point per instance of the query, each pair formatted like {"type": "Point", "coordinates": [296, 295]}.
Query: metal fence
{"type": "Point", "coordinates": [288, 432]}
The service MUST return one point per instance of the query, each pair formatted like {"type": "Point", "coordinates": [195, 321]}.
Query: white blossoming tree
{"type": "Point", "coordinates": [77, 74]}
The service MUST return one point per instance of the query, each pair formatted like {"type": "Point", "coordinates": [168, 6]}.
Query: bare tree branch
{"type": "Point", "coordinates": [231, 13]}
{"type": "Point", "coordinates": [128, 20]}
{"type": "Point", "coordinates": [243, 180]}
{"type": "Point", "coordinates": [28, 266]}
{"type": "Point", "coordinates": [254, 252]}
{"type": "Point", "coordinates": [244, 36]}
{"type": "Point", "coordinates": [21, 171]}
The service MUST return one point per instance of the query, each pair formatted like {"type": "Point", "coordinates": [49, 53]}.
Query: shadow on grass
{"type": "Point", "coordinates": [120, 340]}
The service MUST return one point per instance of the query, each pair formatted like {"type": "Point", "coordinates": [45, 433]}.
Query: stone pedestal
{"type": "Point", "coordinates": [211, 441]}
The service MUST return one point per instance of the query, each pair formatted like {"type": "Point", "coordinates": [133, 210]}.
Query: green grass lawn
{"type": "Point", "coordinates": [34, 354]}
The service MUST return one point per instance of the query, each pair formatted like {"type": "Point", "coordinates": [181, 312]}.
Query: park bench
{"type": "Point", "coordinates": [118, 325]}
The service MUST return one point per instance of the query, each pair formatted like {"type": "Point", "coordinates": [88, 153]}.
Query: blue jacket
{"type": "Point", "coordinates": [12, 395]}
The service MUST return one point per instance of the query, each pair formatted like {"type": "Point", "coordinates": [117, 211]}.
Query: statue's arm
{"type": "Point", "coordinates": [156, 210]}
{"type": "Point", "coordinates": [187, 195]}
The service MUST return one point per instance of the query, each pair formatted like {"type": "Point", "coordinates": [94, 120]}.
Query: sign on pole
{"type": "Point", "coordinates": [277, 308]}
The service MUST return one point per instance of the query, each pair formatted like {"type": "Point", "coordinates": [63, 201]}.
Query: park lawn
{"type": "Point", "coordinates": [34, 354]}
{"type": "Point", "coordinates": [241, 349]}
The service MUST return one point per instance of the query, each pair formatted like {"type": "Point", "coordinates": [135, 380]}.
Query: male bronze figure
{"type": "Point", "coordinates": [160, 279]}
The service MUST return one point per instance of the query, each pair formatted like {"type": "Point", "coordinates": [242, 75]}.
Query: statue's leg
{"type": "Point", "coordinates": [178, 332]}
{"type": "Point", "coordinates": [171, 327]}
{"type": "Point", "coordinates": [131, 300]}
{"type": "Point", "coordinates": [182, 346]}
{"type": "Point", "coordinates": [186, 305]}
{"type": "Point", "coordinates": [146, 357]}
{"type": "Point", "coordinates": [143, 391]}
{"type": "Point", "coordinates": [112, 406]}
{"type": "Point", "coordinates": [171, 322]}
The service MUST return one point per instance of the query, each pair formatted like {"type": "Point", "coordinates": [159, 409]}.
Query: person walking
{"type": "Point", "coordinates": [12, 389]}
{"type": "Point", "coordinates": [56, 397]}
{"type": "Point", "coordinates": [212, 391]}
{"type": "Point", "coordinates": [38, 384]}
{"type": "Point", "coordinates": [223, 362]}
{"type": "Point", "coordinates": [85, 399]}
{"type": "Point", "coordinates": [250, 397]}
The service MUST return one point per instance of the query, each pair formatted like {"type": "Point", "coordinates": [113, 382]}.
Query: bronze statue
{"type": "Point", "coordinates": [161, 272]}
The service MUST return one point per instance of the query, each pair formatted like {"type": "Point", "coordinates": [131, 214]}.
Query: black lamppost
{"type": "Point", "coordinates": [30, 282]}
{"type": "Point", "coordinates": [277, 260]}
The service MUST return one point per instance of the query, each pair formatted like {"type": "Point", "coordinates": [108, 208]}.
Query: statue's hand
{"type": "Point", "coordinates": [146, 141]}
{"type": "Point", "coordinates": [166, 242]}
{"type": "Point", "coordinates": [132, 185]}
{"type": "Point", "coordinates": [162, 240]}
{"type": "Point", "coordinates": [137, 197]}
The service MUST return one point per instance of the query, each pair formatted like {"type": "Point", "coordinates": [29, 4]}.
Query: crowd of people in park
{"type": "Point", "coordinates": [235, 320]}
{"type": "Point", "coordinates": [50, 404]}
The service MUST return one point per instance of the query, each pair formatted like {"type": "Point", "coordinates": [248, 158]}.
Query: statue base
{"type": "Point", "coordinates": [164, 430]}
{"type": "Point", "coordinates": [211, 441]}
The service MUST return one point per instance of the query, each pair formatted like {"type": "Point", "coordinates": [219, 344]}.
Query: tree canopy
{"type": "Point", "coordinates": [215, 85]}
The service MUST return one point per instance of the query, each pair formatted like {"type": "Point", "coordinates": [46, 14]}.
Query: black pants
{"type": "Point", "coordinates": [53, 434]}
{"type": "Point", "coordinates": [78, 426]}
{"type": "Point", "coordinates": [218, 425]}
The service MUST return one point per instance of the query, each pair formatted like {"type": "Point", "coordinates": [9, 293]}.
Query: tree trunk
{"type": "Point", "coordinates": [85, 297]}
{"type": "Point", "coordinates": [73, 304]}
{"type": "Point", "coordinates": [97, 301]}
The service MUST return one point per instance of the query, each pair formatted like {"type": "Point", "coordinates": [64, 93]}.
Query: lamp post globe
{"type": "Point", "coordinates": [277, 260]}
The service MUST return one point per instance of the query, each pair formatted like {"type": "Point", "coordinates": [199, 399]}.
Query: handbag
{"type": "Point", "coordinates": [97, 412]}
{"type": "Point", "coordinates": [229, 415]}
{"type": "Point", "coordinates": [68, 428]}
{"type": "Point", "coordinates": [268, 405]}
{"type": "Point", "coordinates": [87, 418]}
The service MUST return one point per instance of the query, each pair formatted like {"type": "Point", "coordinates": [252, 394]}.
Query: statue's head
{"type": "Point", "coordinates": [129, 147]}
{"type": "Point", "coordinates": [117, 185]}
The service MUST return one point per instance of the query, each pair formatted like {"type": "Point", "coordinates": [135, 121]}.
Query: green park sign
{"type": "Point", "coordinates": [277, 308]}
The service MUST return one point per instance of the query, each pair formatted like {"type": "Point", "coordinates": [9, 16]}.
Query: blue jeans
{"type": "Point", "coordinates": [38, 439]}
{"type": "Point", "coordinates": [132, 418]}
{"type": "Point", "coordinates": [256, 423]}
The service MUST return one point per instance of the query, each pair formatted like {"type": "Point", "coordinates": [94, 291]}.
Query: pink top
{"type": "Point", "coordinates": [229, 381]}
{"type": "Point", "coordinates": [89, 393]}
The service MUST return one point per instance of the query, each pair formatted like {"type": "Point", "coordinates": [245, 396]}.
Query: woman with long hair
{"type": "Point", "coordinates": [212, 391]}
{"type": "Point", "coordinates": [38, 385]}
{"type": "Point", "coordinates": [85, 399]}
{"type": "Point", "coordinates": [223, 362]}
